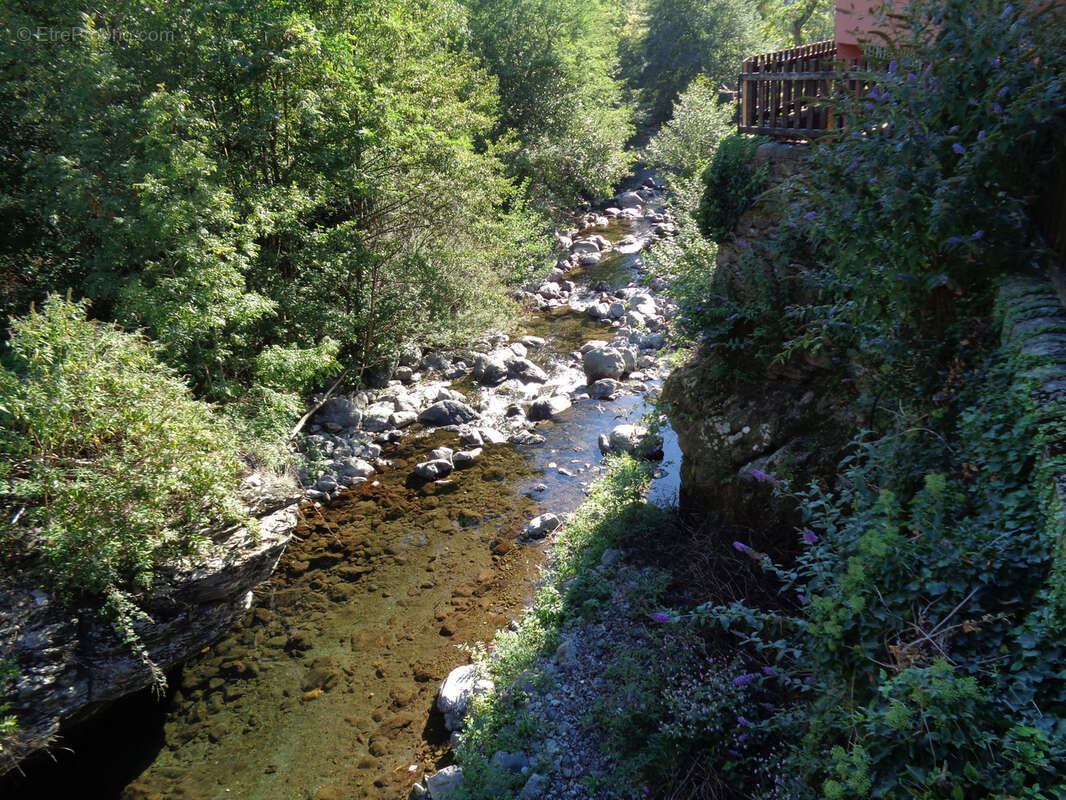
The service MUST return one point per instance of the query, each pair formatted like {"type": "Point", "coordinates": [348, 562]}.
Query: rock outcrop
{"type": "Point", "coordinates": [72, 663]}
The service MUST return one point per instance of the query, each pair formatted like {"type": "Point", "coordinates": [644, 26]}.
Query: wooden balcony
{"type": "Point", "coordinates": [784, 94]}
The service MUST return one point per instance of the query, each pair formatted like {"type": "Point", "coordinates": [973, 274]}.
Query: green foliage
{"type": "Point", "coordinates": [924, 196]}
{"type": "Point", "coordinates": [9, 673]}
{"type": "Point", "coordinates": [731, 181]}
{"type": "Point", "coordinates": [269, 182]}
{"type": "Point", "coordinates": [688, 140]}
{"type": "Point", "coordinates": [554, 61]}
{"type": "Point", "coordinates": [687, 38]}
{"type": "Point", "coordinates": [110, 467]}
{"type": "Point", "coordinates": [788, 23]}
{"type": "Point", "coordinates": [499, 721]}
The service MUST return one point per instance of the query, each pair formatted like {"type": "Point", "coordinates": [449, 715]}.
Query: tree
{"type": "Point", "coordinates": [555, 61]}
{"type": "Point", "coordinates": [686, 38]}
{"type": "Point", "coordinates": [796, 22]}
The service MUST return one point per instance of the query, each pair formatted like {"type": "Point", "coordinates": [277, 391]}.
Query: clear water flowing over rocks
{"type": "Point", "coordinates": [419, 545]}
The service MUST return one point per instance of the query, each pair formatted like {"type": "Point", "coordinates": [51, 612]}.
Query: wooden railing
{"type": "Point", "coordinates": [784, 94]}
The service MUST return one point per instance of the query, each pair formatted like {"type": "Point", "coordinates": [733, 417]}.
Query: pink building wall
{"type": "Point", "coordinates": [855, 21]}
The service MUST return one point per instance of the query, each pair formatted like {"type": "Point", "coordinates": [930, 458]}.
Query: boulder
{"type": "Point", "coordinates": [541, 526]}
{"type": "Point", "coordinates": [444, 784]}
{"type": "Point", "coordinates": [548, 407]}
{"type": "Point", "coordinates": [604, 389]}
{"type": "Point", "coordinates": [585, 247]}
{"type": "Point", "coordinates": [603, 362]}
{"type": "Point", "coordinates": [401, 419]}
{"type": "Point", "coordinates": [491, 436]}
{"type": "Point", "coordinates": [441, 454]}
{"type": "Point", "coordinates": [377, 417]}
{"type": "Point", "coordinates": [455, 694]}
{"type": "Point", "coordinates": [549, 290]}
{"type": "Point", "coordinates": [339, 411]}
{"type": "Point", "coordinates": [636, 440]}
{"type": "Point", "coordinates": [448, 412]}
{"type": "Point", "coordinates": [436, 361]}
{"type": "Point", "coordinates": [464, 458]}
{"type": "Point", "coordinates": [433, 470]}
{"type": "Point", "coordinates": [598, 310]}
{"type": "Point", "coordinates": [355, 468]}
{"type": "Point", "coordinates": [525, 370]}
{"type": "Point", "coordinates": [489, 370]}
{"type": "Point", "coordinates": [630, 200]}
{"type": "Point", "coordinates": [534, 341]}
{"type": "Point", "coordinates": [534, 788]}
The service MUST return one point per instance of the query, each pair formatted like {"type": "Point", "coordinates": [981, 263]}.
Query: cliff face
{"type": "Point", "coordinates": [735, 421]}
{"type": "Point", "coordinates": [72, 663]}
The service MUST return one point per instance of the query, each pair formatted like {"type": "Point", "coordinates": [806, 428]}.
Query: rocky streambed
{"type": "Point", "coordinates": [423, 536]}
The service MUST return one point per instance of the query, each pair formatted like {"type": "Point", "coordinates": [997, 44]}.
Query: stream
{"type": "Point", "coordinates": [326, 689]}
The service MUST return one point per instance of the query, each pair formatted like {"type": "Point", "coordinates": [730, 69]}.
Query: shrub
{"type": "Point", "coordinates": [690, 138]}
{"type": "Point", "coordinates": [731, 181]}
{"type": "Point", "coordinates": [109, 466]}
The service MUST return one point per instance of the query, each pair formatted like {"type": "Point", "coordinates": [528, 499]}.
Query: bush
{"type": "Point", "coordinates": [691, 137]}
{"type": "Point", "coordinates": [109, 466]}
{"type": "Point", "coordinates": [730, 183]}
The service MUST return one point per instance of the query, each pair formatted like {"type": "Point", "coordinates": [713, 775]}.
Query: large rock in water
{"type": "Point", "coordinates": [455, 694]}
{"type": "Point", "coordinates": [548, 407]}
{"type": "Point", "coordinates": [603, 362]}
{"type": "Point", "coordinates": [489, 370]}
{"type": "Point", "coordinates": [448, 412]}
{"type": "Point", "coordinates": [72, 663]}
{"type": "Point", "coordinates": [636, 440]}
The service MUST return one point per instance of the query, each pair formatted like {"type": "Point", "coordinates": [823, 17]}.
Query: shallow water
{"type": "Point", "coordinates": [326, 689]}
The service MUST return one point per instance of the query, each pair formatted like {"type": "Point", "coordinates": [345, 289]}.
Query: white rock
{"type": "Point", "coordinates": [453, 698]}
{"type": "Point", "coordinates": [445, 783]}
{"type": "Point", "coordinates": [605, 362]}
{"type": "Point", "coordinates": [541, 526]}
{"type": "Point", "coordinates": [633, 439]}
{"type": "Point", "coordinates": [433, 470]}
{"type": "Point", "coordinates": [464, 458]}
{"type": "Point", "coordinates": [548, 407]}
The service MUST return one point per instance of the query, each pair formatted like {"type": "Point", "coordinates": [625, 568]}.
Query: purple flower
{"type": "Point", "coordinates": [742, 738]}
{"type": "Point", "coordinates": [997, 108]}
{"type": "Point", "coordinates": [660, 617]}
{"type": "Point", "coordinates": [953, 129]}
{"type": "Point", "coordinates": [733, 753]}
{"type": "Point", "coordinates": [981, 135]}
{"type": "Point", "coordinates": [802, 598]}
{"type": "Point", "coordinates": [996, 61]}
{"type": "Point", "coordinates": [743, 721]}
{"type": "Point", "coordinates": [892, 67]}
{"type": "Point", "coordinates": [912, 77]}
{"type": "Point", "coordinates": [740, 547]}
{"type": "Point", "coordinates": [810, 215]}
{"type": "Point", "coordinates": [769, 671]}
{"type": "Point", "coordinates": [762, 477]}
{"type": "Point", "coordinates": [1003, 92]}
{"type": "Point", "coordinates": [809, 536]}
{"type": "Point", "coordinates": [958, 148]}
{"type": "Point", "coordinates": [978, 234]}
{"type": "Point", "coordinates": [745, 679]}
{"type": "Point", "coordinates": [954, 240]}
